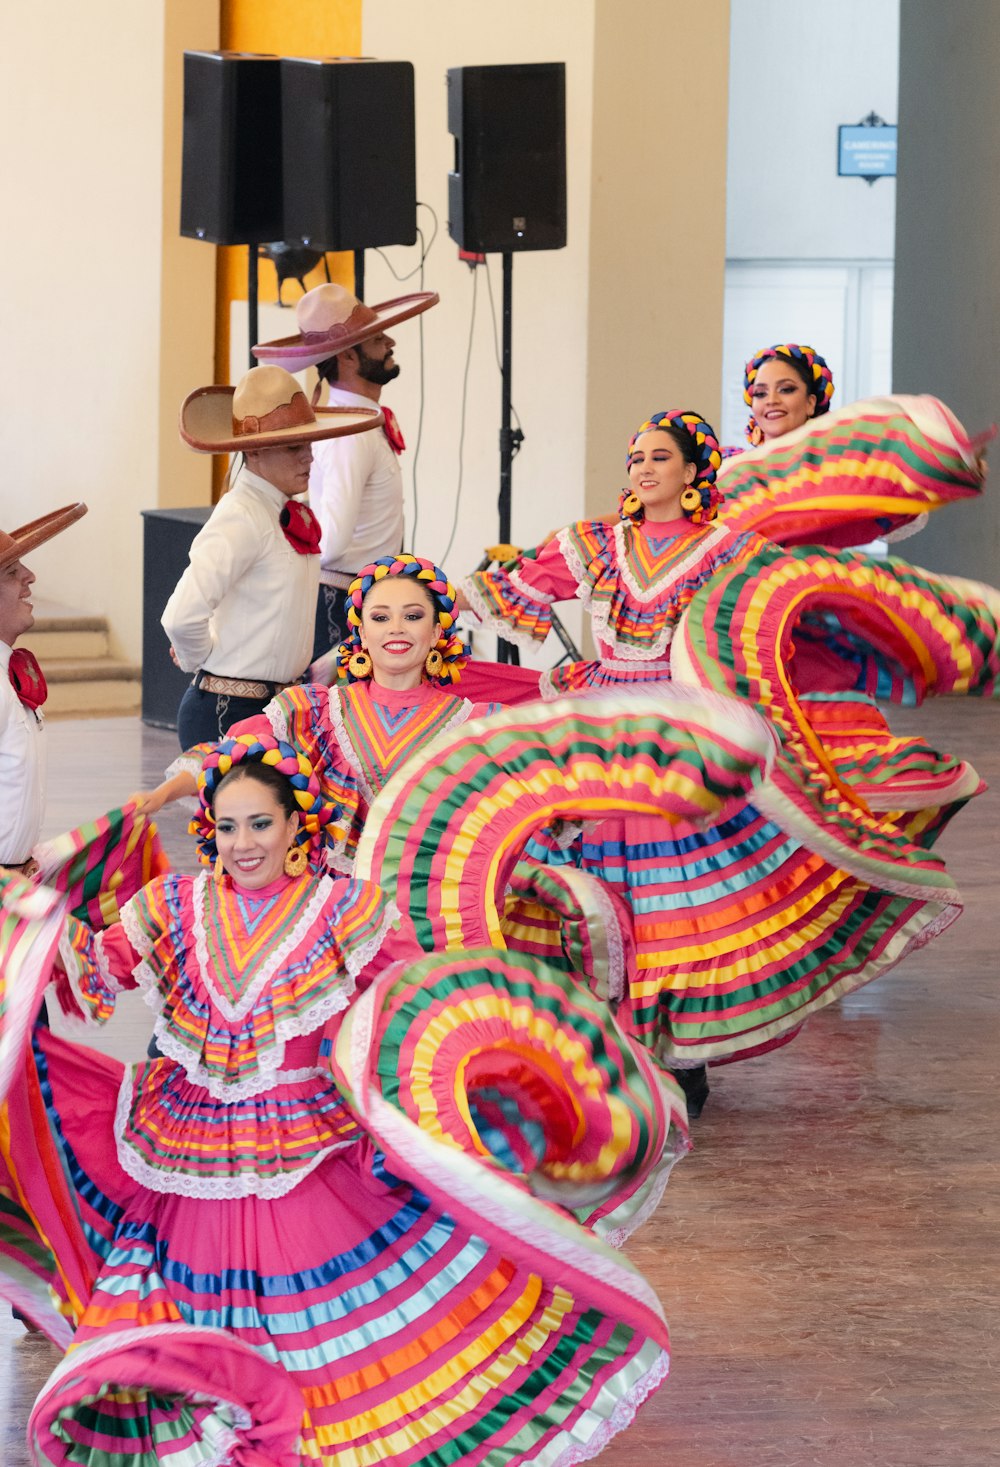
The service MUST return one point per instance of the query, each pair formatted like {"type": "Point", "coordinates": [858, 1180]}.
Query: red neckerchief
{"type": "Point", "coordinates": [300, 528]}
{"type": "Point", "coordinates": [27, 679]}
{"type": "Point", "coordinates": [391, 430]}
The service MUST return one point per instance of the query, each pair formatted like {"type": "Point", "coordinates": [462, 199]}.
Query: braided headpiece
{"type": "Point", "coordinates": [315, 812]}
{"type": "Point", "coordinates": [700, 501]}
{"type": "Point", "coordinates": [447, 657]}
{"type": "Point", "coordinates": [819, 378]}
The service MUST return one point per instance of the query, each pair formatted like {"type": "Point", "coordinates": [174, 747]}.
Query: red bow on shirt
{"type": "Point", "coordinates": [300, 528]}
{"type": "Point", "coordinates": [392, 431]}
{"type": "Point", "coordinates": [27, 679]}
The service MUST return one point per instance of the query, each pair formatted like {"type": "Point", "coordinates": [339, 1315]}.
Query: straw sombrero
{"type": "Point", "coordinates": [266, 409]}
{"type": "Point", "coordinates": [21, 542]}
{"type": "Point", "coordinates": [330, 319]}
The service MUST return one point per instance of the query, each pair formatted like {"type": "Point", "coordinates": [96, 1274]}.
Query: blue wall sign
{"type": "Point", "coordinates": [867, 152]}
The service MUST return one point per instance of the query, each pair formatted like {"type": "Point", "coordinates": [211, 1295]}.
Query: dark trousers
{"type": "Point", "coordinates": [331, 620]}
{"type": "Point", "coordinates": [203, 718]}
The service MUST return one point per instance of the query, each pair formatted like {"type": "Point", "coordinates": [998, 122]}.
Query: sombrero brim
{"type": "Point", "coordinates": [36, 532]}
{"type": "Point", "coordinates": [206, 424]}
{"type": "Point", "coordinates": [296, 352]}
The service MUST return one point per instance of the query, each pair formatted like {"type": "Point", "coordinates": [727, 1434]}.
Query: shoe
{"type": "Point", "coordinates": [694, 1083]}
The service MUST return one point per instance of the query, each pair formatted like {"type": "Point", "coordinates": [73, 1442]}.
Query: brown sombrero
{"type": "Point", "coordinates": [330, 319]}
{"type": "Point", "coordinates": [266, 409]}
{"type": "Point", "coordinates": [23, 541]}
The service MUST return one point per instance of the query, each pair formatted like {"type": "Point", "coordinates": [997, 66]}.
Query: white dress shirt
{"type": "Point", "coordinates": [246, 605]}
{"type": "Point", "coordinates": [356, 493]}
{"type": "Point", "coordinates": [22, 771]}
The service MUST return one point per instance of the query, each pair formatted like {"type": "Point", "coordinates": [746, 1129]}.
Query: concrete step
{"type": "Point", "coordinates": [65, 631]}
{"type": "Point", "coordinates": [83, 686]}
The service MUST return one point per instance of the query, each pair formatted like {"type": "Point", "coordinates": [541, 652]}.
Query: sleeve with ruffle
{"type": "Point", "coordinates": [95, 968]}
{"type": "Point", "coordinates": [515, 599]}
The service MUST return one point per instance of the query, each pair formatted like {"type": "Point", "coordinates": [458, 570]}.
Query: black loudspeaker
{"type": "Point", "coordinates": [508, 190]}
{"type": "Point", "coordinates": [231, 168]}
{"type": "Point", "coordinates": [349, 151]}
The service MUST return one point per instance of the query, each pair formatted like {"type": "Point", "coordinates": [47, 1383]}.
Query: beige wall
{"type": "Point", "coordinates": [108, 313]}
{"type": "Point", "coordinates": [656, 268]}
{"type": "Point", "coordinates": [549, 287]}
{"type": "Point", "coordinates": [628, 318]}
{"type": "Point", "coordinates": [95, 281]}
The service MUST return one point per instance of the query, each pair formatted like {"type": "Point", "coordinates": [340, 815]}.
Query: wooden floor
{"type": "Point", "coordinates": [828, 1254]}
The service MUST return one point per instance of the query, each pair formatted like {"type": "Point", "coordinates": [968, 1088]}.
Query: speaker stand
{"type": "Point", "coordinates": [253, 260]}
{"type": "Point", "coordinates": [510, 438]}
{"type": "Point", "coordinates": [359, 274]}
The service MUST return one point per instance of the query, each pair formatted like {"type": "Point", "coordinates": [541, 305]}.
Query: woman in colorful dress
{"type": "Point", "coordinates": [784, 386]}
{"type": "Point", "coordinates": [401, 661]}
{"type": "Point", "coordinates": [251, 1276]}
{"type": "Point", "coordinates": [743, 931]}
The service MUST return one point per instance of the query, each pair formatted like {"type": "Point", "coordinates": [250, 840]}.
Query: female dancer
{"type": "Point", "coordinates": [741, 932]}
{"type": "Point", "coordinates": [784, 386]}
{"type": "Point", "coordinates": [402, 660]}
{"type": "Point", "coordinates": [249, 1273]}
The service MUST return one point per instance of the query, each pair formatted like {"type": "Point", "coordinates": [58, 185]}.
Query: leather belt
{"type": "Point", "coordinates": [339, 580]}
{"type": "Point", "coordinates": [236, 687]}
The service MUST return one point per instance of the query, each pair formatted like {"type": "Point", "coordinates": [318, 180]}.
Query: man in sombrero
{"type": "Point", "coordinates": [356, 485]}
{"type": "Point", "coordinates": [22, 693]}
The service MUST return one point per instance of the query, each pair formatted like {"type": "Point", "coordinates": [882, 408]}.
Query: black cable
{"type": "Point", "coordinates": [461, 430]}
{"type": "Point", "coordinates": [424, 249]}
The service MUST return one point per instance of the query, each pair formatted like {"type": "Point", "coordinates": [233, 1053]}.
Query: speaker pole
{"type": "Point", "coordinates": [506, 652]}
{"type": "Point", "coordinates": [252, 265]}
{"type": "Point", "coordinates": [359, 274]}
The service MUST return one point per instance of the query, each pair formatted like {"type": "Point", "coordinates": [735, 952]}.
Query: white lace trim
{"type": "Point", "coordinates": [136, 934]}
{"type": "Point", "coordinates": [279, 723]}
{"type": "Point", "coordinates": [903, 532]}
{"type": "Point", "coordinates": [336, 710]}
{"type": "Point", "coordinates": [178, 1184]}
{"type": "Point", "coordinates": [462, 711]}
{"type": "Point", "coordinates": [620, 1418]}
{"type": "Point", "coordinates": [529, 592]}
{"type": "Point", "coordinates": [358, 959]}
{"type": "Point", "coordinates": [268, 1065]}
{"type": "Point", "coordinates": [103, 966]}
{"type": "Point", "coordinates": [292, 1026]}
{"type": "Point", "coordinates": [184, 764]}
{"type": "Point", "coordinates": [237, 1012]}
{"type": "Point", "coordinates": [615, 982]}
{"type": "Point", "coordinates": [338, 860]}
{"type": "Point", "coordinates": [600, 614]}
{"type": "Point", "coordinates": [494, 623]}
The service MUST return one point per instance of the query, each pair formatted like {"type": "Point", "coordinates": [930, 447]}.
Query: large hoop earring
{"type": "Point", "coordinates": [359, 665]}
{"type": "Point", "coordinates": [296, 861]}
{"type": "Point", "coordinates": [218, 870]}
{"type": "Point", "coordinates": [433, 663]}
{"type": "Point", "coordinates": [631, 505]}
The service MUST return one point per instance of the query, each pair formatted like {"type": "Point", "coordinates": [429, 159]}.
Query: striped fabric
{"type": "Point", "coordinates": [869, 469]}
{"type": "Point", "coordinates": [102, 864]}
{"type": "Point", "coordinates": [447, 832]}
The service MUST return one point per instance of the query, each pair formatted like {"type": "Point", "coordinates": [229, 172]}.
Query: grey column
{"type": "Point", "coordinates": [946, 331]}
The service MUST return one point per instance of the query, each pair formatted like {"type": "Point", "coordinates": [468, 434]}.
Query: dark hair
{"type": "Point", "coordinates": [328, 370]}
{"type": "Point", "coordinates": [263, 774]}
{"type": "Point", "coordinates": [802, 370]}
{"type": "Point", "coordinates": [682, 439]}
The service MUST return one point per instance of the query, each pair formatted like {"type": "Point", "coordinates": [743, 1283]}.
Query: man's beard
{"type": "Point", "coordinates": [370, 369]}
